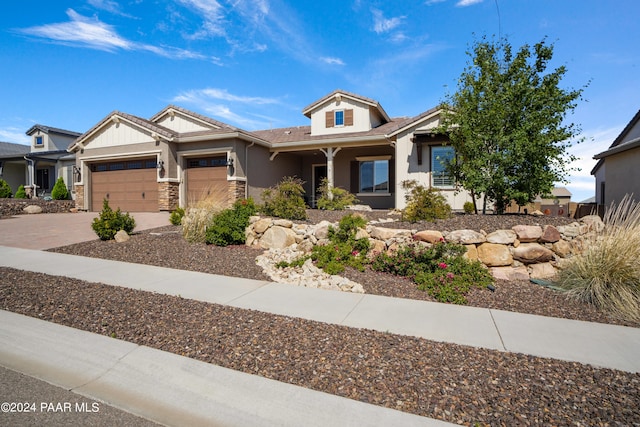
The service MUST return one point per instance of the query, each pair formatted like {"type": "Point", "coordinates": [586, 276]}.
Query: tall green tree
{"type": "Point", "coordinates": [507, 123]}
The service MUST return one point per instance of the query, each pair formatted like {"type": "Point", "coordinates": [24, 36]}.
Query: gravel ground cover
{"type": "Point", "coordinates": [450, 382]}
{"type": "Point", "coordinates": [446, 381]}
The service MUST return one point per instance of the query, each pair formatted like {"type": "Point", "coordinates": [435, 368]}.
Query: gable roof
{"type": "Point", "coordinates": [9, 149]}
{"type": "Point", "coordinates": [116, 116]}
{"type": "Point", "coordinates": [169, 109]}
{"type": "Point", "coordinates": [339, 92]}
{"type": "Point", "coordinates": [619, 145]}
{"type": "Point", "coordinates": [49, 129]}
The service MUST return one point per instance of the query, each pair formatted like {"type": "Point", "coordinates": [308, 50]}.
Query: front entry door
{"type": "Point", "coordinates": [319, 173]}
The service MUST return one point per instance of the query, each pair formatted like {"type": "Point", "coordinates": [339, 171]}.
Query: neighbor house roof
{"type": "Point", "coordinates": [9, 149]}
{"type": "Point", "coordinates": [618, 145]}
{"type": "Point", "coordinates": [49, 129]}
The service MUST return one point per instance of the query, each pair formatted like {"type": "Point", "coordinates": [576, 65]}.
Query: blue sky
{"type": "Point", "coordinates": [256, 63]}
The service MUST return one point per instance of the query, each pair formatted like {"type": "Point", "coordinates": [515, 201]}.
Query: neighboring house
{"type": "Point", "coordinates": [617, 172]}
{"type": "Point", "coordinates": [49, 159]}
{"type": "Point", "coordinates": [12, 164]}
{"type": "Point", "coordinates": [558, 203]}
{"type": "Point", "coordinates": [178, 157]}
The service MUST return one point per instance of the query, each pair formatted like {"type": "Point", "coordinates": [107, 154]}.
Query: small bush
{"type": "Point", "coordinates": [424, 204]}
{"type": "Point", "coordinates": [440, 270]}
{"type": "Point", "coordinates": [607, 274]}
{"type": "Point", "coordinates": [20, 193]}
{"type": "Point", "coordinates": [5, 190]}
{"type": "Point", "coordinates": [59, 191]}
{"type": "Point", "coordinates": [176, 216]}
{"type": "Point", "coordinates": [228, 227]}
{"type": "Point", "coordinates": [285, 200]}
{"type": "Point", "coordinates": [110, 222]}
{"type": "Point", "coordinates": [335, 200]}
{"type": "Point", "coordinates": [468, 208]}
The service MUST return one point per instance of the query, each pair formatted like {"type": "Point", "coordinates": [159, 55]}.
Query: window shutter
{"type": "Point", "coordinates": [329, 118]}
{"type": "Point", "coordinates": [354, 186]}
{"type": "Point", "coordinates": [348, 117]}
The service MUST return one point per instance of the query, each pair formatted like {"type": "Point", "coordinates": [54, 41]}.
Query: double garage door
{"type": "Point", "coordinates": [129, 185]}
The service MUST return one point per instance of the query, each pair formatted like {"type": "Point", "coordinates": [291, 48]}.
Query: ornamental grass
{"type": "Point", "coordinates": [607, 274]}
{"type": "Point", "coordinates": [199, 213]}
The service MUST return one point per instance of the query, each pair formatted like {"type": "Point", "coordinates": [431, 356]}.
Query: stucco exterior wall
{"type": "Point", "coordinates": [622, 176]}
{"type": "Point", "coordinates": [14, 174]}
{"type": "Point", "coordinates": [361, 117]}
{"type": "Point", "coordinates": [263, 173]}
{"type": "Point", "coordinates": [600, 177]}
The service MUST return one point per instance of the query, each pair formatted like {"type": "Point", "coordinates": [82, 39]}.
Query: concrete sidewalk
{"type": "Point", "coordinates": [602, 345]}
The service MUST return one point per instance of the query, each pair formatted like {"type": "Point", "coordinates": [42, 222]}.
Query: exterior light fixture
{"type": "Point", "coordinates": [230, 162]}
{"type": "Point", "coordinates": [160, 165]}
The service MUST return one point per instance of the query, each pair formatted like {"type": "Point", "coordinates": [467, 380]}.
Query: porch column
{"type": "Point", "coordinates": [330, 152]}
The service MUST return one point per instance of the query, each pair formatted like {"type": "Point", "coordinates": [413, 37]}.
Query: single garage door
{"type": "Point", "coordinates": [206, 179]}
{"type": "Point", "coordinates": [129, 185]}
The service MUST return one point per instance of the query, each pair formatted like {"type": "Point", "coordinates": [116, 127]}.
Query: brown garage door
{"type": "Point", "coordinates": [206, 179]}
{"type": "Point", "coordinates": [129, 185]}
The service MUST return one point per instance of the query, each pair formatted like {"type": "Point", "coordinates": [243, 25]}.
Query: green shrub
{"type": "Point", "coordinates": [198, 216]}
{"type": "Point", "coordinates": [468, 208]}
{"type": "Point", "coordinates": [424, 204]}
{"type": "Point", "coordinates": [228, 227]}
{"type": "Point", "coordinates": [607, 274]}
{"type": "Point", "coordinates": [285, 200]}
{"type": "Point", "coordinates": [343, 250]}
{"type": "Point", "coordinates": [110, 222]}
{"type": "Point", "coordinates": [176, 216]}
{"type": "Point", "coordinates": [20, 193]}
{"type": "Point", "coordinates": [440, 270]}
{"type": "Point", "coordinates": [59, 191]}
{"type": "Point", "coordinates": [335, 200]}
{"type": "Point", "coordinates": [5, 190]}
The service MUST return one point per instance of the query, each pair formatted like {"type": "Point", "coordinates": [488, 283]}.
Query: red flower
{"type": "Point", "coordinates": [442, 265]}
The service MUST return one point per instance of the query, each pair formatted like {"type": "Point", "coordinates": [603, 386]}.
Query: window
{"type": "Point", "coordinates": [339, 118]}
{"type": "Point", "coordinates": [440, 155]}
{"type": "Point", "coordinates": [39, 141]}
{"type": "Point", "coordinates": [374, 176]}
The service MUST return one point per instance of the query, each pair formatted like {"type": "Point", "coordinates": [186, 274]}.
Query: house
{"type": "Point", "coordinates": [49, 159]}
{"type": "Point", "coordinates": [617, 172]}
{"type": "Point", "coordinates": [178, 157]}
{"type": "Point", "coordinates": [12, 164]}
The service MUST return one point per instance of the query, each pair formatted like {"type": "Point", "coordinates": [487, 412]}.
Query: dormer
{"type": "Point", "coordinates": [181, 120]}
{"type": "Point", "coordinates": [344, 112]}
{"type": "Point", "coordinates": [45, 138]}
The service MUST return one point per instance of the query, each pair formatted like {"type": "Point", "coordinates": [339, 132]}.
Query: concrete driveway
{"type": "Point", "coordinates": [46, 231]}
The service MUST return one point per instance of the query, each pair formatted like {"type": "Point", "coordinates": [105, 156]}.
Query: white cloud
{"type": "Point", "coordinates": [463, 3]}
{"type": "Point", "coordinates": [332, 61]}
{"type": "Point", "coordinates": [212, 14]}
{"type": "Point", "coordinates": [92, 33]}
{"type": "Point", "coordinates": [109, 6]}
{"type": "Point", "coordinates": [15, 135]}
{"type": "Point", "coordinates": [383, 25]}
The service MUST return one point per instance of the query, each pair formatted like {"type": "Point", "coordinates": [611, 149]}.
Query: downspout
{"type": "Point", "coordinates": [246, 169]}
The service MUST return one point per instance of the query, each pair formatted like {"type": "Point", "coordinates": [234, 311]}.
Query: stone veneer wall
{"type": "Point", "coordinates": [521, 252]}
{"type": "Point", "coordinates": [236, 190]}
{"type": "Point", "coordinates": [79, 189]}
{"type": "Point", "coordinates": [168, 195]}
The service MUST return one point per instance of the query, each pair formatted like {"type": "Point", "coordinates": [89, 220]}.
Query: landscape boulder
{"type": "Point", "coordinates": [530, 253]}
{"type": "Point", "coordinates": [429, 236]}
{"type": "Point", "coordinates": [32, 209]}
{"type": "Point", "coordinates": [494, 255]}
{"type": "Point", "coordinates": [121, 236]}
{"type": "Point", "coordinates": [502, 237]}
{"type": "Point", "coordinates": [528, 233]}
{"type": "Point", "coordinates": [466, 237]}
{"type": "Point", "coordinates": [550, 234]}
{"type": "Point", "coordinates": [277, 237]}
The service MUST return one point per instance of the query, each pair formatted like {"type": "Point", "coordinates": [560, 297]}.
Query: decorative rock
{"type": "Point", "coordinates": [502, 237]}
{"type": "Point", "coordinates": [530, 253]}
{"type": "Point", "coordinates": [571, 230]}
{"type": "Point", "coordinates": [429, 236]}
{"type": "Point", "coordinates": [253, 218]}
{"type": "Point", "coordinates": [364, 208]}
{"type": "Point", "coordinates": [594, 222]}
{"type": "Point", "coordinates": [472, 253]}
{"type": "Point", "coordinates": [562, 248]}
{"type": "Point", "coordinates": [32, 209]}
{"type": "Point", "coordinates": [121, 236]}
{"type": "Point", "coordinates": [466, 237]}
{"type": "Point", "coordinates": [361, 233]}
{"type": "Point", "coordinates": [542, 271]}
{"type": "Point", "coordinates": [262, 225]}
{"type": "Point", "coordinates": [510, 273]}
{"type": "Point", "coordinates": [74, 210]}
{"type": "Point", "coordinates": [537, 213]}
{"type": "Point", "coordinates": [550, 234]}
{"type": "Point", "coordinates": [283, 223]}
{"type": "Point", "coordinates": [278, 237]}
{"type": "Point", "coordinates": [376, 247]}
{"type": "Point", "coordinates": [382, 233]}
{"type": "Point", "coordinates": [528, 233]}
{"type": "Point", "coordinates": [322, 230]}
{"type": "Point", "coordinates": [494, 255]}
